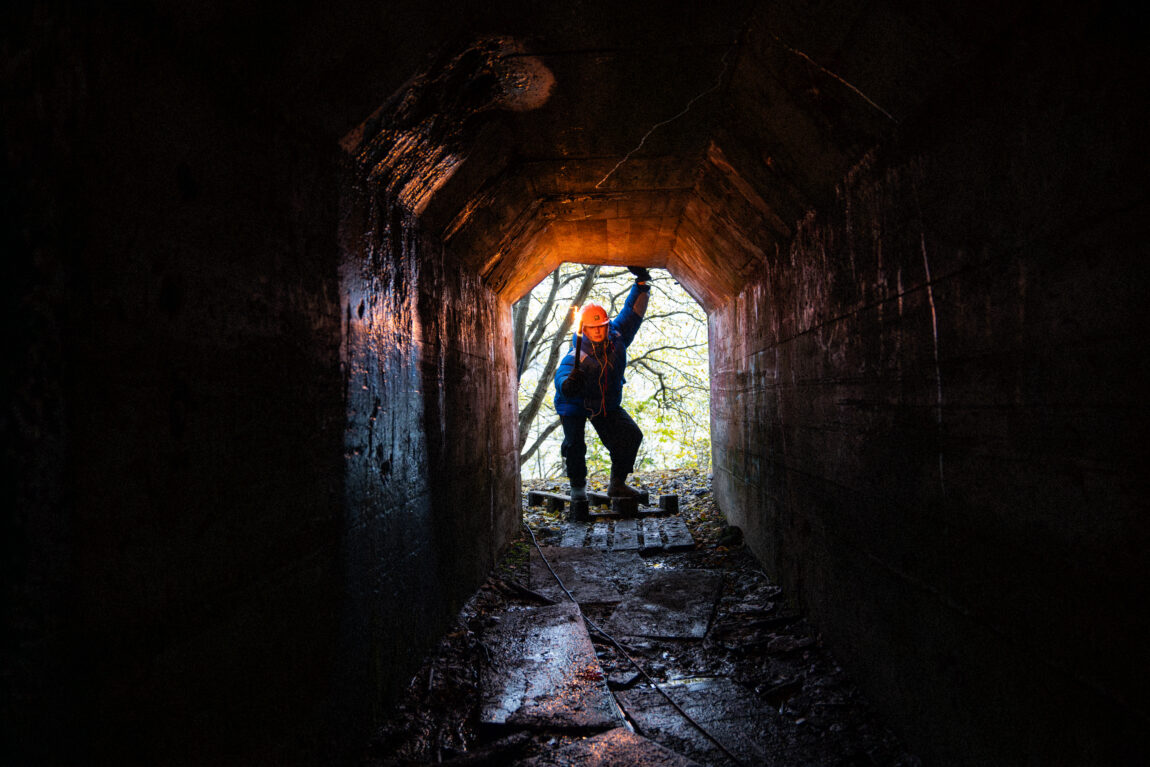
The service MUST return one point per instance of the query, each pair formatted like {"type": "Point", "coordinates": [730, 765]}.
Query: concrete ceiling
{"type": "Point", "coordinates": [693, 138]}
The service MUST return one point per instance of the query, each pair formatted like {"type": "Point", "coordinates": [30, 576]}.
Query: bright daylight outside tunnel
{"type": "Point", "coordinates": [266, 494]}
{"type": "Point", "coordinates": [666, 374]}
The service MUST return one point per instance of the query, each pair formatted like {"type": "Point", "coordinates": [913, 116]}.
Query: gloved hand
{"type": "Point", "coordinates": [573, 383]}
{"type": "Point", "coordinates": [641, 273]}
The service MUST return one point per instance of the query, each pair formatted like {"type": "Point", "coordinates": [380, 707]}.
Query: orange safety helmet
{"type": "Point", "coordinates": [592, 316]}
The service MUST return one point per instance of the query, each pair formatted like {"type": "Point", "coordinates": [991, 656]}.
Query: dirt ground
{"type": "Point", "coordinates": [756, 638]}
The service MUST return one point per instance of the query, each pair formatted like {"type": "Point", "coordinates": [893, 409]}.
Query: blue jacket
{"type": "Point", "coordinates": [602, 364]}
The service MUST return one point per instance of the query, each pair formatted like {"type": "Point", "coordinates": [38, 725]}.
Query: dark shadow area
{"type": "Point", "coordinates": [259, 374]}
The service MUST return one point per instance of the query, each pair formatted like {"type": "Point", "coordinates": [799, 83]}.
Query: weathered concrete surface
{"type": "Point", "coordinates": [428, 372]}
{"type": "Point", "coordinates": [926, 412]}
{"type": "Point", "coordinates": [584, 571]}
{"type": "Point", "coordinates": [678, 536]}
{"type": "Point", "coordinates": [738, 720]}
{"type": "Point", "coordinates": [625, 535]}
{"type": "Point", "coordinates": [222, 543]}
{"type": "Point", "coordinates": [543, 673]}
{"type": "Point", "coordinates": [674, 604]}
{"type": "Point", "coordinates": [599, 533]}
{"type": "Point", "coordinates": [574, 534]}
{"type": "Point", "coordinates": [652, 535]}
{"type": "Point", "coordinates": [618, 748]}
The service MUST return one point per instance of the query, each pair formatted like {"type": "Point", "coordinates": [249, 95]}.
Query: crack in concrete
{"type": "Point", "coordinates": [937, 365]}
{"type": "Point", "coordinates": [831, 74]}
{"type": "Point", "coordinates": [656, 126]}
{"type": "Point", "coordinates": [934, 328]}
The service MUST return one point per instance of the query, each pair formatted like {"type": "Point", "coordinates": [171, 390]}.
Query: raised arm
{"type": "Point", "coordinates": [628, 320]}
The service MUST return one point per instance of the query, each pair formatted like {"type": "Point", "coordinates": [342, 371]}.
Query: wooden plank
{"type": "Point", "coordinates": [652, 540]}
{"type": "Point", "coordinates": [580, 511]}
{"type": "Point", "coordinates": [625, 507]}
{"type": "Point", "coordinates": [602, 499]}
{"type": "Point", "coordinates": [626, 535]}
{"type": "Point", "coordinates": [598, 499]}
{"type": "Point", "coordinates": [537, 497]}
{"type": "Point", "coordinates": [574, 534]}
{"type": "Point", "coordinates": [678, 536]}
{"type": "Point", "coordinates": [599, 535]}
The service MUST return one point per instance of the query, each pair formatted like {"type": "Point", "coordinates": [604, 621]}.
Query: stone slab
{"type": "Point", "coordinates": [746, 726]}
{"type": "Point", "coordinates": [677, 534]}
{"type": "Point", "coordinates": [652, 538]}
{"type": "Point", "coordinates": [626, 536]}
{"type": "Point", "coordinates": [674, 604]}
{"type": "Point", "coordinates": [542, 672]}
{"type": "Point", "coordinates": [616, 748]}
{"type": "Point", "coordinates": [602, 499]}
{"type": "Point", "coordinates": [599, 535]}
{"type": "Point", "coordinates": [574, 534]}
{"type": "Point", "coordinates": [584, 571]}
{"type": "Point", "coordinates": [627, 569]}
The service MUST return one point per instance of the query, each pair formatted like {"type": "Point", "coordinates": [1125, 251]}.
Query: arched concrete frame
{"type": "Point", "coordinates": [919, 229]}
{"type": "Point", "coordinates": [856, 306]}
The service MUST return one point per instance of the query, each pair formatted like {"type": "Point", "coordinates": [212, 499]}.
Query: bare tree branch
{"type": "Point", "coordinates": [558, 340]}
{"type": "Point", "coordinates": [519, 322]}
{"type": "Point", "coordinates": [677, 313]}
{"type": "Point", "coordinates": [670, 375]}
{"type": "Point", "coordinates": [649, 353]}
{"type": "Point", "coordinates": [543, 435]}
{"type": "Point", "coordinates": [539, 323]}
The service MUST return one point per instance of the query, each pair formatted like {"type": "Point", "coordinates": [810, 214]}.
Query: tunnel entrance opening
{"type": "Point", "coordinates": [667, 376]}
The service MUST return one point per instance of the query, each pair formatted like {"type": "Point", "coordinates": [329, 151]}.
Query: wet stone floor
{"type": "Point", "coordinates": [673, 656]}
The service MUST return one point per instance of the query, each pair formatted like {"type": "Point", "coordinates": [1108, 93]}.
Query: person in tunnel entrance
{"type": "Point", "coordinates": [589, 387]}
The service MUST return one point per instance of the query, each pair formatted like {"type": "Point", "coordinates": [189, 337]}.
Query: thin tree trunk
{"type": "Point", "coordinates": [558, 343]}
{"type": "Point", "coordinates": [519, 323]}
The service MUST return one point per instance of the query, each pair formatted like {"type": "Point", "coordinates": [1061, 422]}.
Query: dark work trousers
{"type": "Point", "coordinates": [619, 434]}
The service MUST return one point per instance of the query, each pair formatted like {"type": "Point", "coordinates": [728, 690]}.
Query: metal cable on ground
{"type": "Point", "coordinates": [633, 662]}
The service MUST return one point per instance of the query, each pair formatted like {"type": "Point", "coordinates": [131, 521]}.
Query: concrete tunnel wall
{"type": "Point", "coordinates": [259, 437]}
{"type": "Point", "coordinates": [928, 416]}
{"type": "Point", "coordinates": [432, 449]}
{"type": "Point", "coordinates": [919, 421]}
{"type": "Point", "coordinates": [225, 473]}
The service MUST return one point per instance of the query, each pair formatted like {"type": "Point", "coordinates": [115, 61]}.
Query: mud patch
{"type": "Point", "coordinates": [669, 605]}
